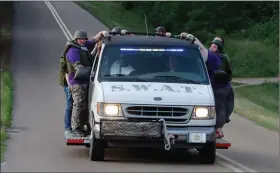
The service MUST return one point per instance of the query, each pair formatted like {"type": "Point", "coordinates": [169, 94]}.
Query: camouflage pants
{"type": "Point", "coordinates": [79, 111]}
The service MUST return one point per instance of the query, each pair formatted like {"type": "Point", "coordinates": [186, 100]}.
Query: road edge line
{"type": "Point", "coordinates": [57, 21]}
{"type": "Point", "coordinates": [234, 163]}
{"type": "Point", "coordinates": [229, 166]}
{"type": "Point", "coordinates": [62, 23]}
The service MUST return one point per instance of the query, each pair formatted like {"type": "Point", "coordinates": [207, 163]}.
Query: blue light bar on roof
{"type": "Point", "coordinates": [152, 50]}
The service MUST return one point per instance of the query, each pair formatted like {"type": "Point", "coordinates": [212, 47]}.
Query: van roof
{"type": "Point", "coordinates": [147, 40]}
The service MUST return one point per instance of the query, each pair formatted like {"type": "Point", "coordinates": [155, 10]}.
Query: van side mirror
{"type": "Point", "coordinates": [221, 77]}
{"type": "Point", "coordinates": [82, 73]}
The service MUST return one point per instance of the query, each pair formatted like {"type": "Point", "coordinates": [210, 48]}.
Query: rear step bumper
{"type": "Point", "coordinates": [77, 141]}
{"type": "Point", "coordinates": [220, 143]}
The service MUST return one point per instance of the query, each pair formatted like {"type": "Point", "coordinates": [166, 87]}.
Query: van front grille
{"type": "Point", "coordinates": [156, 111]}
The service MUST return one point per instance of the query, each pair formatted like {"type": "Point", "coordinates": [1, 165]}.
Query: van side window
{"type": "Point", "coordinates": [96, 58]}
{"type": "Point", "coordinates": [93, 53]}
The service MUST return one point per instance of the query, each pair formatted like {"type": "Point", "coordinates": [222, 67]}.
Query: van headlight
{"type": "Point", "coordinates": [204, 112]}
{"type": "Point", "coordinates": [109, 109]}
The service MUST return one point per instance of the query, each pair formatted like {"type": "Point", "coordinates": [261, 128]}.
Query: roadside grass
{"type": "Point", "coordinates": [111, 14]}
{"type": "Point", "coordinates": [259, 103]}
{"type": "Point", "coordinates": [6, 84]}
{"type": "Point", "coordinates": [249, 58]}
{"type": "Point", "coordinates": [3, 144]}
{"type": "Point", "coordinates": [6, 107]}
{"type": "Point", "coordinates": [6, 98]}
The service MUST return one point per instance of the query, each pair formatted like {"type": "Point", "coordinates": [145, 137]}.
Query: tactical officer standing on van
{"type": "Point", "coordinates": [160, 31]}
{"type": "Point", "coordinates": [120, 31]}
{"type": "Point", "coordinates": [63, 81]}
{"type": "Point", "coordinates": [77, 54]}
{"type": "Point", "coordinates": [222, 91]}
{"type": "Point", "coordinates": [117, 30]}
{"type": "Point", "coordinates": [214, 62]}
{"type": "Point", "coordinates": [227, 66]}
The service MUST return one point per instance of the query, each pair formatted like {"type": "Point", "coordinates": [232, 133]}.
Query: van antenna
{"type": "Point", "coordinates": [146, 25]}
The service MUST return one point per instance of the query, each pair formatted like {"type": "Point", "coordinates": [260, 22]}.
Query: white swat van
{"type": "Point", "coordinates": [150, 92]}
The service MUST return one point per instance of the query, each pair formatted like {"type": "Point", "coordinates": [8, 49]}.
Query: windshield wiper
{"type": "Point", "coordinates": [129, 77]}
{"type": "Point", "coordinates": [178, 78]}
{"type": "Point", "coordinates": [109, 75]}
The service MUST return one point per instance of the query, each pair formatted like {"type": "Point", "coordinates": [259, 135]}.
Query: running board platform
{"type": "Point", "coordinates": [77, 141]}
{"type": "Point", "coordinates": [222, 144]}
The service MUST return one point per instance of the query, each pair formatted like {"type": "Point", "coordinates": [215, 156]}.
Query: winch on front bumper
{"type": "Point", "coordinates": [151, 132]}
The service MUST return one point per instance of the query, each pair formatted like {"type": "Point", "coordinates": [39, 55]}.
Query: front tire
{"type": "Point", "coordinates": [207, 155]}
{"type": "Point", "coordinates": [97, 149]}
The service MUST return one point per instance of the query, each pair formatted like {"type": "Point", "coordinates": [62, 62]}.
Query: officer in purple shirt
{"type": "Point", "coordinates": [220, 92]}
{"type": "Point", "coordinates": [77, 54]}
{"type": "Point", "coordinates": [218, 44]}
{"type": "Point", "coordinates": [214, 62]}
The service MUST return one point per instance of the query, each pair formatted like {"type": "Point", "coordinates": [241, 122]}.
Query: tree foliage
{"type": "Point", "coordinates": [256, 20]}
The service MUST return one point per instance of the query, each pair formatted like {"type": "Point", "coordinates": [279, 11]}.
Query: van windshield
{"type": "Point", "coordinates": [152, 64]}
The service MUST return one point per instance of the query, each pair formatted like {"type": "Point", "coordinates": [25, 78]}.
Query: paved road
{"type": "Point", "coordinates": [39, 109]}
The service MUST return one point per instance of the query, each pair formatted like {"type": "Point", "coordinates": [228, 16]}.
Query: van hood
{"type": "Point", "coordinates": [156, 93]}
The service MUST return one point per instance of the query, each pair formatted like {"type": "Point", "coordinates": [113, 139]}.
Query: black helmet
{"type": "Point", "coordinates": [219, 43]}
{"type": "Point", "coordinates": [80, 34]}
{"type": "Point", "coordinates": [160, 29]}
{"type": "Point", "coordinates": [116, 29]}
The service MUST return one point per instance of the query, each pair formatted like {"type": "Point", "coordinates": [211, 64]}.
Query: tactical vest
{"type": "Point", "coordinates": [225, 66]}
{"type": "Point", "coordinates": [62, 70]}
{"type": "Point", "coordinates": [67, 67]}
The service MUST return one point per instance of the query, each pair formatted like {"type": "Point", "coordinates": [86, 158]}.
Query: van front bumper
{"type": "Point", "coordinates": [124, 133]}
